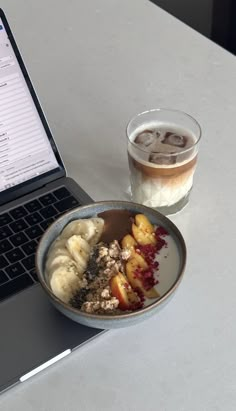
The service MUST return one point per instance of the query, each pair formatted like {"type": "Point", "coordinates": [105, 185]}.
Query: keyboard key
{"type": "Point", "coordinates": [30, 247]}
{"type": "Point", "coordinates": [48, 212]}
{"type": "Point", "coordinates": [47, 199]}
{"type": "Point", "coordinates": [61, 193]}
{"type": "Point", "coordinates": [5, 232]}
{"type": "Point", "coordinates": [18, 239]}
{"type": "Point", "coordinates": [66, 204]}
{"type": "Point", "coordinates": [15, 255]}
{"type": "Point", "coordinates": [5, 219]}
{"type": "Point", "coordinates": [18, 212]}
{"type": "Point", "coordinates": [34, 231]}
{"type": "Point", "coordinates": [34, 218]}
{"type": "Point", "coordinates": [46, 223]}
{"type": "Point", "coordinates": [29, 262]}
{"type": "Point", "coordinates": [15, 270]}
{"type": "Point", "coordinates": [5, 246]}
{"type": "Point", "coordinates": [33, 206]}
{"type": "Point", "coordinates": [3, 262]}
{"type": "Point", "coordinates": [34, 275]}
{"type": "Point", "coordinates": [3, 277]}
{"type": "Point", "coordinates": [14, 286]}
{"type": "Point", "coordinates": [18, 225]}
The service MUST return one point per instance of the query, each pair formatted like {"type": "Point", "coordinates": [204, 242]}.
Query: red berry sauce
{"type": "Point", "coordinates": [149, 252]}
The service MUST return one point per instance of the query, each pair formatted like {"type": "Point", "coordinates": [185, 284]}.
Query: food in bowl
{"type": "Point", "coordinates": [108, 264]}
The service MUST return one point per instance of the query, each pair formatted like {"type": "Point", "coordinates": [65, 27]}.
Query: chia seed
{"type": "Point", "coordinates": [79, 298]}
{"type": "Point", "coordinates": [92, 268]}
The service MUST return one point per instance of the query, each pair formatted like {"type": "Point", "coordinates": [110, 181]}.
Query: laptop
{"type": "Point", "coordinates": [34, 191]}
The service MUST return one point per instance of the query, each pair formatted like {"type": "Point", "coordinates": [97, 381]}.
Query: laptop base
{"type": "Point", "coordinates": [32, 330]}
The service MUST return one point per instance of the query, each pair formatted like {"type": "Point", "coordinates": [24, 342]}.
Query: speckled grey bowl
{"type": "Point", "coordinates": [172, 277]}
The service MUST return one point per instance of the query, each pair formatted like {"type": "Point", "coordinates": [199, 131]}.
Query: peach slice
{"type": "Point", "coordinates": [140, 260]}
{"type": "Point", "coordinates": [122, 290]}
{"type": "Point", "coordinates": [152, 293]}
{"type": "Point", "coordinates": [128, 242]}
{"type": "Point", "coordinates": [118, 290]}
{"type": "Point", "coordinates": [131, 266]}
{"type": "Point", "coordinates": [132, 296]}
{"type": "Point", "coordinates": [143, 223]}
{"type": "Point", "coordinates": [143, 237]}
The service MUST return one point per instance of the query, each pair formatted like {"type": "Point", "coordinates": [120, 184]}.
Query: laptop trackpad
{"type": "Point", "coordinates": [33, 332]}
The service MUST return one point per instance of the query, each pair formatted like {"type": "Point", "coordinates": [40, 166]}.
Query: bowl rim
{"type": "Point", "coordinates": [129, 314]}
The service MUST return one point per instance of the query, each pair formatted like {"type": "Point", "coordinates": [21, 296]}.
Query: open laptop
{"type": "Point", "coordinates": [34, 191]}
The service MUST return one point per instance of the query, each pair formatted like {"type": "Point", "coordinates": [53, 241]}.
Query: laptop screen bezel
{"type": "Point", "coordinates": [39, 181]}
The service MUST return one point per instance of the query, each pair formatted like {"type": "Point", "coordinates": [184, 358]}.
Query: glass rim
{"type": "Point", "coordinates": [166, 110]}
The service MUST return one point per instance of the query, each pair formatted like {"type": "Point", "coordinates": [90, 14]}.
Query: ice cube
{"type": "Point", "coordinates": [175, 140]}
{"type": "Point", "coordinates": [161, 159]}
{"type": "Point", "coordinates": [145, 138]}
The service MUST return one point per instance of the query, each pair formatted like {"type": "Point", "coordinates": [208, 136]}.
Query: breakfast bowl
{"type": "Point", "coordinates": [146, 270]}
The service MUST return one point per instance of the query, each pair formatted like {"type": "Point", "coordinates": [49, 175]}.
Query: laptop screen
{"type": "Point", "coordinates": [25, 149]}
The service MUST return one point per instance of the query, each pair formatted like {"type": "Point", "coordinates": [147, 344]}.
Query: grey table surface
{"type": "Point", "coordinates": [95, 64]}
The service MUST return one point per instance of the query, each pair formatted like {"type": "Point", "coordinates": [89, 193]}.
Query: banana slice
{"type": "Point", "coordinates": [99, 225]}
{"type": "Point", "coordinates": [69, 254]}
{"type": "Point", "coordinates": [58, 247]}
{"type": "Point", "coordinates": [79, 250]}
{"type": "Point", "coordinates": [84, 228]}
{"type": "Point", "coordinates": [57, 254]}
{"type": "Point", "coordinates": [56, 261]}
{"type": "Point", "coordinates": [89, 229]}
{"type": "Point", "coordinates": [65, 283]}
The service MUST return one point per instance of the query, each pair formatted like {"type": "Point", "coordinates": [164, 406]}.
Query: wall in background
{"type": "Point", "coordinates": [215, 19]}
{"type": "Point", "coordinates": [196, 13]}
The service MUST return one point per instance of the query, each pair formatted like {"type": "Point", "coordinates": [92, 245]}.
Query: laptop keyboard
{"type": "Point", "coordinates": [20, 231]}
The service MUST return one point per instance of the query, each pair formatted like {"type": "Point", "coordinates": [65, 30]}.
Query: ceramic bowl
{"type": "Point", "coordinates": [172, 264]}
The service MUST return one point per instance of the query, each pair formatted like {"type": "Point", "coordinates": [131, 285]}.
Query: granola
{"type": "Point", "coordinates": [109, 259]}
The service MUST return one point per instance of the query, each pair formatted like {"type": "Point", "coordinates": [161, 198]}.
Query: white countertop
{"type": "Point", "coordinates": [95, 64]}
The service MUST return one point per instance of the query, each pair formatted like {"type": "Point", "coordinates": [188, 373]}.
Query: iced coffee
{"type": "Point", "coordinates": [162, 153]}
